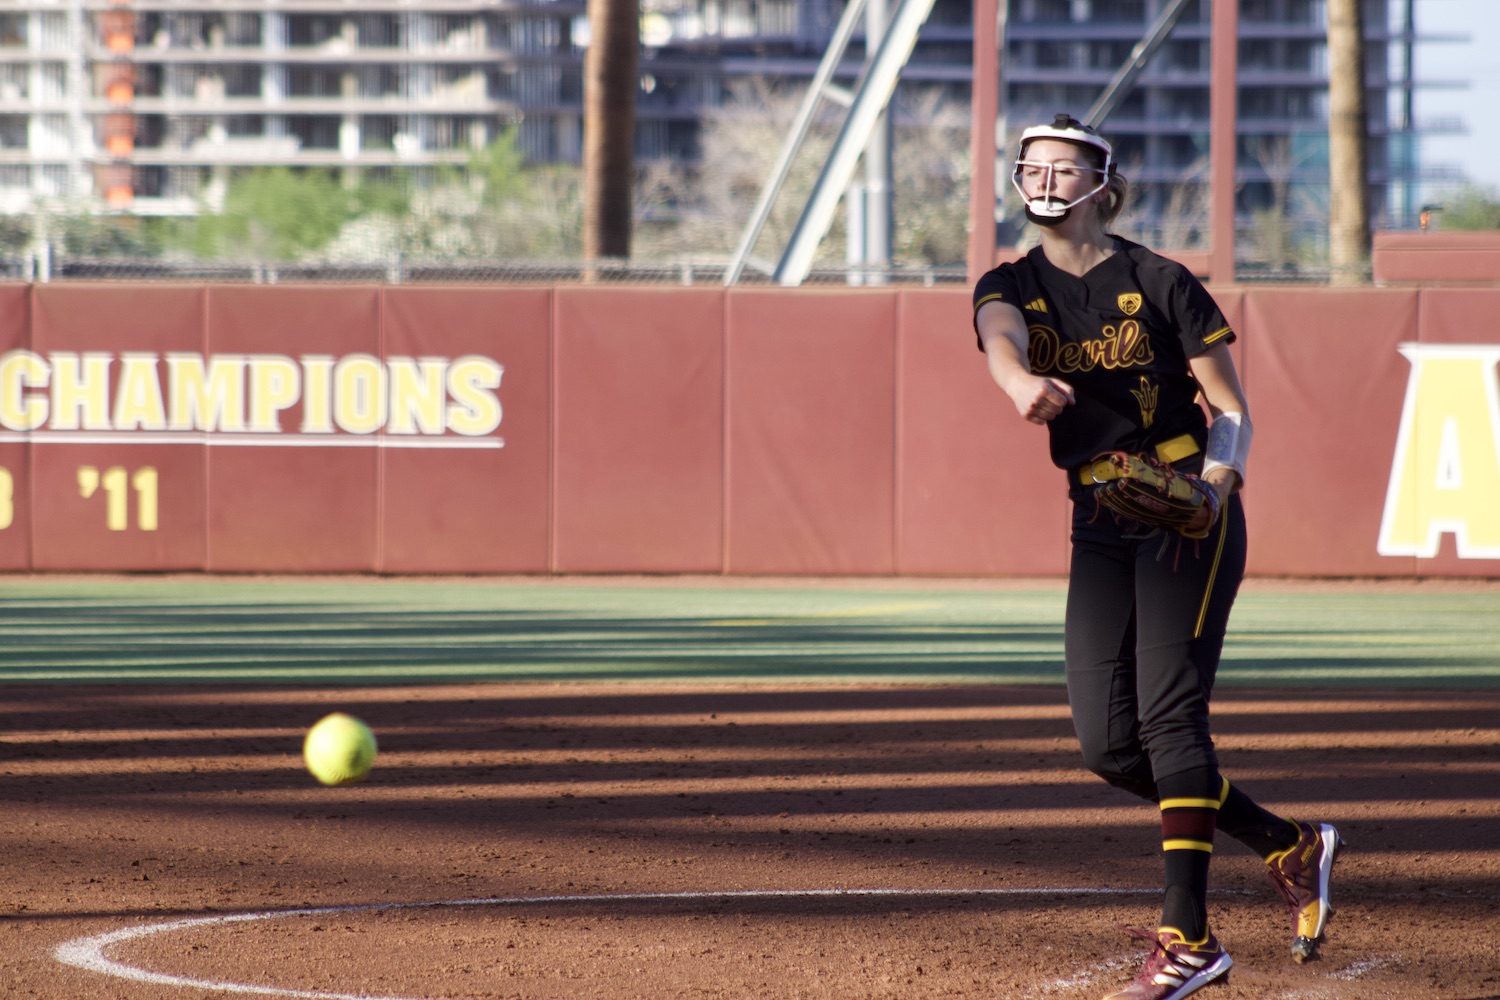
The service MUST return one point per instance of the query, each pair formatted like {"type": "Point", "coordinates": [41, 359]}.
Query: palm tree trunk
{"type": "Point", "coordinates": [610, 80]}
{"type": "Point", "coordinates": [1348, 139]}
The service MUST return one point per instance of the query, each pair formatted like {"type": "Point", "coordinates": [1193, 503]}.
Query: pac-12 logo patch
{"type": "Point", "coordinates": [1129, 303]}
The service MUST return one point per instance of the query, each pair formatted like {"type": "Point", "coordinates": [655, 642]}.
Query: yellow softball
{"type": "Point", "coordinates": [339, 749]}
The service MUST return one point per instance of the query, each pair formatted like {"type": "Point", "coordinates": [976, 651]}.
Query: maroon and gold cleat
{"type": "Point", "coordinates": [1176, 967]}
{"type": "Point", "coordinates": [1301, 873]}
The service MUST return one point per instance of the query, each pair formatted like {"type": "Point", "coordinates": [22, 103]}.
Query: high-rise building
{"type": "Point", "coordinates": [147, 105]}
{"type": "Point", "coordinates": [1061, 54]}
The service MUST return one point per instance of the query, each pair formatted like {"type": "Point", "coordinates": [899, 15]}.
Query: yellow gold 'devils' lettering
{"type": "Point", "coordinates": [1126, 346]}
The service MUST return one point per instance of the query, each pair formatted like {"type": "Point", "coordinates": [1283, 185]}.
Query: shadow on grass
{"type": "Point", "coordinates": [393, 635]}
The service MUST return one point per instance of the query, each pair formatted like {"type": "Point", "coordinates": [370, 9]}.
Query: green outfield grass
{"type": "Point", "coordinates": [390, 631]}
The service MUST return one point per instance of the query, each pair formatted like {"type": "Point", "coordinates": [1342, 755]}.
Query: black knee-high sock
{"type": "Point", "coordinates": [1189, 804]}
{"type": "Point", "coordinates": [1262, 831]}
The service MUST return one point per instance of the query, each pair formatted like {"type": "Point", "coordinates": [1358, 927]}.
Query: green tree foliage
{"type": "Point", "coordinates": [382, 195]}
{"type": "Point", "coordinates": [276, 214]}
{"type": "Point", "coordinates": [500, 171]}
{"type": "Point", "coordinates": [81, 233]}
{"type": "Point", "coordinates": [106, 236]}
{"type": "Point", "coordinates": [15, 233]}
{"type": "Point", "coordinates": [1470, 208]}
{"type": "Point", "coordinates": [494, 207]}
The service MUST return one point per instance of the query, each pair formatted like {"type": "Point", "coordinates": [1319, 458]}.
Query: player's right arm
{"type": "Point", "coordinates": [1002, 331]}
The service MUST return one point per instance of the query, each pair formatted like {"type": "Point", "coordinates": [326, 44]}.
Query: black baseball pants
{"type": "Point", "coordinates": [1145, 625]}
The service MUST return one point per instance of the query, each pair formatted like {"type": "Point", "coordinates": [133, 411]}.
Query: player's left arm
{"type": "Point", "coordinates": [1229, 434]}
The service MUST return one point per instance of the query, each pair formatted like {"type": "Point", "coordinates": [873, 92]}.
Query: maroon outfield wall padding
{"type": "Point", "coordinates": [1325, 385]}
{"type": "Point", "coordinates": [854, 431]}
{"type": "Point", "coordinates": [471, 510]}
{"type": "Point", "coordinates": [110, 504]}
{"type": "Point", "coordinates": [15, 455]}
{"type": "Point", "coordinates": [978, 494]}
{"type": "Point", "coordinates": [639, 430]}
{"type": "Point", "coordinates": [287, 506]}
{"type": "Point", "coordinates": [811, 428]}
{"type": "Point", "coordinates": [1464, 320]}
{"type": "Point", "coordinates": [1436, 257]}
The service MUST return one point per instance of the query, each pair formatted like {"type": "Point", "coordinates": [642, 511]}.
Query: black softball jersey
{"type": "Point", "coordinates": [1121, 336]}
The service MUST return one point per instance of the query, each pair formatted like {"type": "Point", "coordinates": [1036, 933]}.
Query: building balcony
{"type": "Point", "coordinates": [16, 56]}
{"type": "Point", "coordinates": [431, 104]}
{"type": "Point", "coordinates": [1099, 76]}
{"type": "Point", "coordinates": [1440, 126]}
{"type": "Point", "coordinates": [424, 7]}
{"type": "Point", "coordinates": [319, 56]}
{"type": "Point", "coordinates": [285, 152]}
{"type": "Point", "coordinates": [53, 155]}
{"type": "Point", "coordinates": [1086, 32]}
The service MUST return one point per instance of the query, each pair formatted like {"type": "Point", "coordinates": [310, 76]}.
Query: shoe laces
{"type": "Point", "coordinates": [1141, 934]}
{"type": "Point", "coordinates": [1159, 961]}
{"type": "Point", "coordinates": [1293, 878]}
{"type": "Point", "coordinates": [1288, 883]}
{"type": "Point", "coordinates": [1159, 969]}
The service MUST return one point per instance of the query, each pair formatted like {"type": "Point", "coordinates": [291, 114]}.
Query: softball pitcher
{"type": "Point", "coordinates": [1110, 346]}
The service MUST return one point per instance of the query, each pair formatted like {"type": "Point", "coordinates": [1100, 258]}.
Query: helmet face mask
{"type": "Point", "coordinates": [1045, 209]}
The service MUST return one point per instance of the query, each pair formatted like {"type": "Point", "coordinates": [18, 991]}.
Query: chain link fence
{"type": "Point", "coordinates": [50, 266]}
{"type": "Point", "coordinates": [45, 268]}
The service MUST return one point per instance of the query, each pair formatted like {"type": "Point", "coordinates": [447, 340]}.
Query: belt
{"type": "Point", "coordinates": [1169, 451]}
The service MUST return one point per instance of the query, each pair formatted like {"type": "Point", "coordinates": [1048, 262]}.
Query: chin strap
{"type": "Point", "coordinates": [1046, 220]}
{"type": "Point", "coordinates": [1046, 210]}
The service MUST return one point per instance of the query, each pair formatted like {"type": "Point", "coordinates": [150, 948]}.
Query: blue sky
{"type": "Point", "coordinates": [1478, 61]}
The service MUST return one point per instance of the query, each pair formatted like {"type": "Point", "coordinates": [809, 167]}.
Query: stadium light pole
{"type": "Point", "coordinates": [1223, 110]}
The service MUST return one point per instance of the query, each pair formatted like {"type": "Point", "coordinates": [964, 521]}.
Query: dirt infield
{"type": "Point", "coordinates": [709, 842]}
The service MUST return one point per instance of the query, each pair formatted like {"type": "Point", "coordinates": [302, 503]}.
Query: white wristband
{"type": "Point", "coordinates": [1228, 444]}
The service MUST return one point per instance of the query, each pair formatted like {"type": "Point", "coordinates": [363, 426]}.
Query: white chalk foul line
{"type": "Point", "coordinates": [1084, 976]}
{"type": "Point", "coordinates": [1366, 966]}
{"type": "Point", "coordinates": [89, 952]}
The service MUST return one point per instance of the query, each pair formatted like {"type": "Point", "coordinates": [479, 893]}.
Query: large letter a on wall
{"type": "Point", "coordinates": [1446, 473]}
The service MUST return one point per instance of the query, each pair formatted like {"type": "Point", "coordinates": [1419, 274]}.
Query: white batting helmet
{"type": "Point", "coordinates": [1046, 210]}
